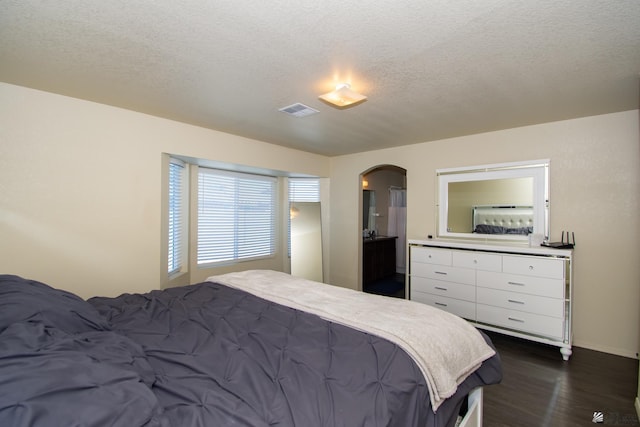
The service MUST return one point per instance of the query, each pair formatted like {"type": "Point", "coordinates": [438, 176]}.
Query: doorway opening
{"type": "Point", "coordinates": [383, 218]}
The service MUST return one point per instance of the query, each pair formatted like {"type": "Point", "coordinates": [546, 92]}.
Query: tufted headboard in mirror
{"type": "Point", "coordinates": [490, 219]}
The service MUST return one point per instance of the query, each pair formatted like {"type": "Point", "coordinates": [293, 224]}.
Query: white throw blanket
{"type": "Point", "coordinates": [445, 347]}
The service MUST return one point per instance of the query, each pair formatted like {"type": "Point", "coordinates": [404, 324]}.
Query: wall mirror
{"type": "Point", "coordinates": [506, 201]}
{"type": "Point", "coordinates": [368, 209]}
{"type": "Point", "coordinates": [306, 240]}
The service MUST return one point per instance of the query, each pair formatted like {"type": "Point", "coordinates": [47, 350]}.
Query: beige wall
{"type": "Point", "coordinates": [594, 191]}
{"type": "Point", "coordinates": [80, 189]}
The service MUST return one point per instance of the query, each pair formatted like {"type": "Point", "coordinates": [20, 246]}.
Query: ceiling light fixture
{"type": "Point", "coordinates": [343, 96]}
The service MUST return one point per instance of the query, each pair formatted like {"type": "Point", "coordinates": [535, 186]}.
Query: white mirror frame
{"type": "Point", "coordinates": [537, 169]}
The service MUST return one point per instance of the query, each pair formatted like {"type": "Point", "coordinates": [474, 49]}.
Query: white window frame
{"type": "Point", "coordinates": [177, 220]}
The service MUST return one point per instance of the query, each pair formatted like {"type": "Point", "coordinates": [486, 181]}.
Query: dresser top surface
{"type": "Point", "coordinates": [493, 247]}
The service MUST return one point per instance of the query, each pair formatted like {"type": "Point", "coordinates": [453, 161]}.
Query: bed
{"type": "Point", "coordinates": [254, 348]}
{"type": "Point", "coordinates": [499, 219]}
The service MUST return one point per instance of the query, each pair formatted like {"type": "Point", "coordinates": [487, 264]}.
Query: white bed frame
{"type": "Point", "coordinates": [473, 417]}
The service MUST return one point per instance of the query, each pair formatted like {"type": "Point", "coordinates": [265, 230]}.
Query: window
{"type": "Point", "coordinates": [236, 216]}
{"type": "Point", "coordinates": [177, 215]}
{"type": "Point", "coordinates": [304, 190]}
{"type": "Point", "coordinates": [301, 190]}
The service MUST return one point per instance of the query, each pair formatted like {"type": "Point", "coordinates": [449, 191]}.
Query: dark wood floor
{"type": "Point", "coordinates": [540, 389]}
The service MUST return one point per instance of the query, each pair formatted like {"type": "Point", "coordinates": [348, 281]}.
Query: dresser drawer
{"type": "Point", "coordinates": [458, 307]}
{"type": "Point", "coordinates": [445, 273]}
{"type": "Point", "coordinates": [521, 302]}
{"type": "Point", "coordinates": [431, 255]}
{"type": "Point", "coordinates": [552, 268]}
{"type": "Point", "coordinates": [477, 260]}
{"type": "Point", "coordinates": [551, 327]}
{"type": "Point", "coordinates": [552, 288]}
{"type": "Point", "coordinates": [442, 288]}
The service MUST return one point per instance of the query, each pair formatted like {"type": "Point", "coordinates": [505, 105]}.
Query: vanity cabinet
{"type": "Point", "coordinates": [378, 258]}
{"type": "Point", "coordinates": [516, 290]}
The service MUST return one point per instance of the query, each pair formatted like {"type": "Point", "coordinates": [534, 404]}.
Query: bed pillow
{"type": "Point", "coordinates": [28, 300]}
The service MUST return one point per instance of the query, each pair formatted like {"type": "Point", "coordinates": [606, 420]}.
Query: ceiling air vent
{"type": "Point", "coordinates": [298, 110]}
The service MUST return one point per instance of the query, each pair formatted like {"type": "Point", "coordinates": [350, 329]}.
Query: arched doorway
{"type": "Point", "coordinates": [383, 224]}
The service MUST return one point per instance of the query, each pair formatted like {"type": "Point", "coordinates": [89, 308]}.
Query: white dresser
{"type": "Point", "coordinates": [516, 290]}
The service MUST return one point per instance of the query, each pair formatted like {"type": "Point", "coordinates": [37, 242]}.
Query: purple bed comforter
{"type": "Point", "coordinates": [201, 355]}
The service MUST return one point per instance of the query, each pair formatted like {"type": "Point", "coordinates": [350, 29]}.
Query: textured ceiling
{"type": "Point", "coordinates": [431, 69]}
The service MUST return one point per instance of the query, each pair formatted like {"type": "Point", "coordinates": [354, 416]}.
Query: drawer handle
{"type": "Point", "coordinates": [515, 319]}
{"type": "Point", "coordinates": [441, 288]}
{"type": "Point", "coordinates": [515, 301]}
{"type": "Point", "coordinates": [441, 304]}
{"type": "Point", "coordinates": [441, 272]}
{"type": "Point", "coordinates": [531, 267]}
{"type": "Point", "coordinates": [516, 283]}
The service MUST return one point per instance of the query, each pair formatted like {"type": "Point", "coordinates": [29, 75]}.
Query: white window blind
{"type": "Point", "coordinates": [176, 215]}
{"type": "Point", "coordinates": [236, 216]}
{"type": "Point", "coordinates": [304, 190]}
{"type": "Point", "coordinates": [301, 190]}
